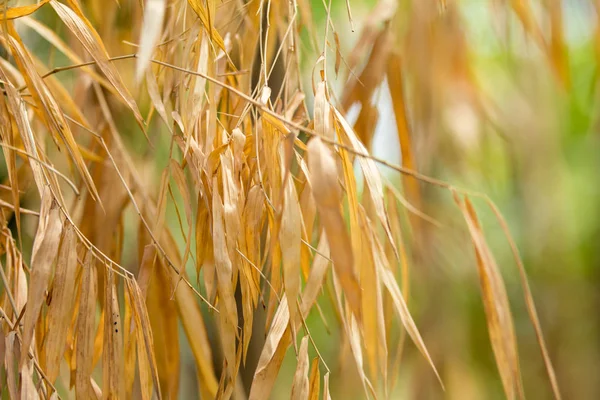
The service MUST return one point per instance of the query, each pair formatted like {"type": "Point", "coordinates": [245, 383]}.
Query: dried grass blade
{"type": "Point", "coordinates": [314, 386]}
{"type": "Point", "coordinates": [273, 352]}
{"type": "Point", "coordinates": [279, 337]}
{"type": "Point", "coordinates": [326, 394]}
{"type": "Point", "coordinates": [497, 307]}
{"type": "Point", "coordinates": [61, 307]}
{"type": "Point", "coordinates": [11, 359]}
{"type": "Point", "coordinates": [389, 281]}
{"type": "Point", "coordinates": [202, 13]}
{"type": "Point", "coordinates": [228, 310]}
{"type": "Point", "coordinates": [531, 309]}
{"type": "Point", "coordinates": [85, 330]}
{"type": "Point", "coordinates": [112, 351]}
{"type": "Point", "coordinates": [49, 110]}
{"type": "Point", "coordinates": [163, 321]}
{"type": "Point", "coordinates": [290, 236]}
{"type": "Point", "coordinates": [18, 12]}
{"type": "Point", "coordinates": [371, 174]}
{"type": "Point", "coordinates": [300, 383]}
{"type": "Point", "coordinates": [395, 82]}
{"type": "Point", "coordinates": [323, 171]}
{"type": "Point", "coordinates": [142, 322]}
{"type": "Point", "coordinates": [179, 177]}
{"type": "Point", "coordinates": [45, 247]}
{"type": "Point", "coordinates": [154, 13]}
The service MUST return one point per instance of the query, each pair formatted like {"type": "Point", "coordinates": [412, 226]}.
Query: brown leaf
{"type": "Point", "coordinates": [112, 351]}
{"type": "Point", "coordinates": [323, 170]}
{"type": "Point", "coordinates": [85, 330]}
{"type": "Point", "coordinates": [45, 247]}
{"type": "Point", "coordinates": [290, 236]}
{"type": "Point", "coordinates": [315, 380]}
{"type": "Point", "coordinates": [147, 358]}
{"type": "Point", "coordinates": [61, 307]}
{"type": "Point", "coordinates": [300, 384]}
{"type": "Point", "coordinates": [497, 307]}
{"type": "Point", "coordinates": [228, 316]}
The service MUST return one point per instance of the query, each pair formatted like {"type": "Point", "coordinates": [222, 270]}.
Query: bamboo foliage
{"type": "Point", "coordinates": [269, 214]}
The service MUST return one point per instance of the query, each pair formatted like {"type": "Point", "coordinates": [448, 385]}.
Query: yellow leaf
{"type": "Point", "coordinates": [18, 12]}
{"type": "Point", "coordinates": [45, 247]}
{"type": "Point", "coordinates": [323, 171]}
{"type": "Point", "coordinates": [61, 307]}
{"type": "Point", "coordinates": [112, 352]}
{"type": "Point", "coordinates": [85, 330]}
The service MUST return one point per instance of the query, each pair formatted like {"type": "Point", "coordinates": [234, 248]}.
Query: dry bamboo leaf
{"type": "Point", "coordinates": [89, 38]}
{"type": "Point", "coordinates": [144, 368]}
{"type": "Point", "coordinates": [323, 171]}
{"type": "Point", "coordinates": [146, 269]}
{"type": "Point", "coordinates": [97, 392]}
{"type": "Point", "coordinates": [28, 387]}
{"type": "Point", "coordinates": [202, 237]}
{"type": "Point", "coordinates": [11, 360]}
{"type": "Point", "coordinates": [129, 345]}
{"type": "Point", "coordinates": [202, 13]}
{"type": "Point", "coordinates": [273, 352]}
{"type": "Point", "coordinates": [322, 112]}
{"type": "Point", "coordinates": [163, 321]}
{"type": "Point", "coordinates": [279, 338]}
{"type": "Point", "coordinates": [45, 247]}
{"type": "Point", "coordinates": [300, 384]}
{"type": "Point", "coordinates": [18, 12]}
{"type": "Point", "coordinates": [351, 328]}
{"type": "Point", "coordinates": [157, 102]}
{"type": "Point", "coordinates": [338, 53]}
{"type": "Point", "coordinates": [372, 307]}
{"type": "Point", "coordinates": [308, 209]}
{"type": "Point", "coordinates": [112, 351]}
{"type": "Point", "coordinates": [326, 394]}
{"type": "Point", "coordinates": [353, 202]}
{"type": "Point", "coordinates": [17, 106]}
{"type": "Point", "coordinates": [194, 327]}
{"type": "Point", "coordinates": [315, 380]}
{"type": "Point", "coordinates": [317, 274]}
{"type": "Point", "coordinates": [99, 337]}
{"type": "Point", "coordinates": [371, 174]}
{"type": "Point", "coordinates": [199, 82]}
{"type": "Point", "coordinates": [192, 321]}
{"type": "Point", "coordinates": [53, 38]}
{"type": "Point", "coordinates": [49, 109]}
{"type": "Point", "coordinates": [85, 330]}
{"type": "Point", "coordinates": [388, 280]}
{"type": "Point", "coordinates": [228, 316]}
{"type": "Point", "coordinates": [179, 178]}
{"type": "Point", "coordinates": [290, 236]}
{"type": "Point", "coordinates": [497, 306]}
{"type": "Point", "coordinates": [533, 315]}
{"type": "Point", "coordinates": [396, 85]}
{"type": "Point", "coordinates": [154, 13]}
{"type": "Point", "coordinates": [142, 324]}
{"type": "Point", "coordinates": [61, 307]}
